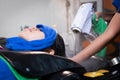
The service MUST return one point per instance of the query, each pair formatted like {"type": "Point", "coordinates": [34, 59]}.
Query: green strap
{"type": "Point", "coordinates": [16, 74]}
{"type": "Point", "coordinates": [99, 27]}
{"type": "Point", "coordinates": [102, 53]}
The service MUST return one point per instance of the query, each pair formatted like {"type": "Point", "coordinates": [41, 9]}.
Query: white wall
{"type": "Point", "coordinates": [16, 13]}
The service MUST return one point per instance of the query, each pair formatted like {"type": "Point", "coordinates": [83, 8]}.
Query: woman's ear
{"type": "Point", "coordinates": [51, 51]}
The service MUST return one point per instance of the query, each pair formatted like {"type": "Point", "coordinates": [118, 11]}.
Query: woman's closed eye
{"type": "Point", "coordinates": [32, 33]}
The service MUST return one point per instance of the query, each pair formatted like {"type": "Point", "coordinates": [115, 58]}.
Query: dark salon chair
{"type": "Point", "coordinates": [62, 75]}
{"type": "Point", "coordinates": [42, 65]}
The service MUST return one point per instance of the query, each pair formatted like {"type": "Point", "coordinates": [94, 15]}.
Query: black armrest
{"type": "Point", "coordinates": [37, 65]}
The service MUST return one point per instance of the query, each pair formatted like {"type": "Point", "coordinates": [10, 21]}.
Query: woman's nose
{"type": "Point", "coordinates": [33, 28]}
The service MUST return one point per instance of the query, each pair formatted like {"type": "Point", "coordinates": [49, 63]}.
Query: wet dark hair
{"type": "Point", "coordinates": [59, 46]}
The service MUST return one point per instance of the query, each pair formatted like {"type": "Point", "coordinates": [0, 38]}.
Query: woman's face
{"type": "Point", "coordinates": [31, 33]}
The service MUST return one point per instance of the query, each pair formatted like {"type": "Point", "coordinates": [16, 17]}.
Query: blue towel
{"type": "Point", "coordinates": [20, 44]}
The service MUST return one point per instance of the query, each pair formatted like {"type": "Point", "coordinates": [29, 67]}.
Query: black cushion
{"type": "Point", "coordinates": [36, 65]}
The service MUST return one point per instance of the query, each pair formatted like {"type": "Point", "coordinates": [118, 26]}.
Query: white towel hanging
{"type": "Point", "coordinates": [83, 19]}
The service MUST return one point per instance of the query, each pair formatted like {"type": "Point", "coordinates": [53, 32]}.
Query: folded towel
{"type": "Point", "coordinates": [20, 44]}
{"type": "Point", "coordinates": [83, 19]}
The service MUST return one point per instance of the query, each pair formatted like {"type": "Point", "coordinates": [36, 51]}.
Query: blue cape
{"type": "Point", "coordinates": [5, 73]}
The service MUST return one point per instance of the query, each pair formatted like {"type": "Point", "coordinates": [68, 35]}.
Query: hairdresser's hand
{"type": "Point", "coordinates": [74, 60]}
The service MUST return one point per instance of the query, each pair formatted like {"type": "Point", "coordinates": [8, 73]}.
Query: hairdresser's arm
{"type": "Point", "coordinates": [101, 41]}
